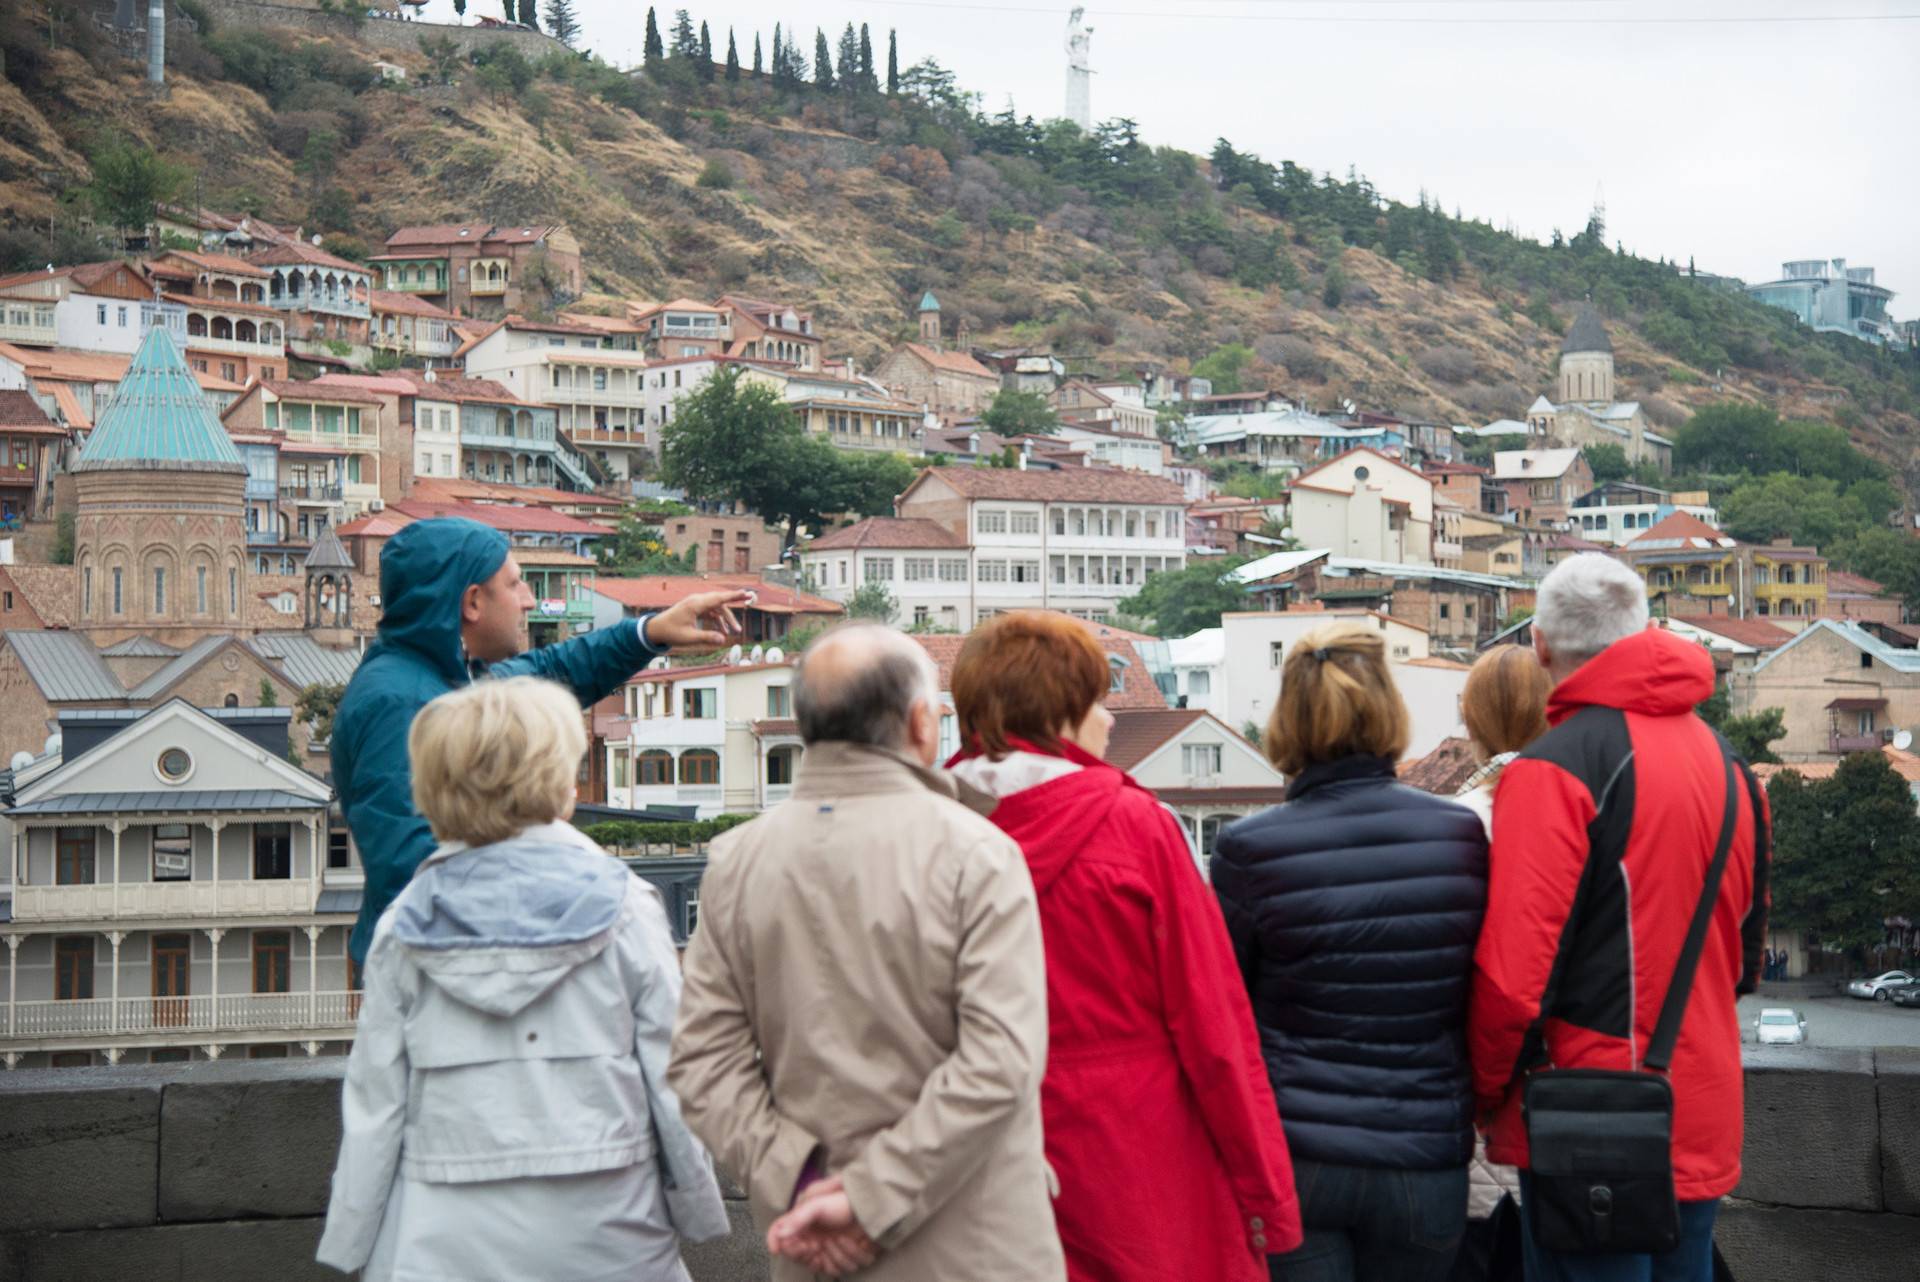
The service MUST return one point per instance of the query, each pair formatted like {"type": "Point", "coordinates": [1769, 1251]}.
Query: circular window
{"type": "Point", "coordinates": [175, 765]}
{"type": "Point", "coordinates": [1361, 473]}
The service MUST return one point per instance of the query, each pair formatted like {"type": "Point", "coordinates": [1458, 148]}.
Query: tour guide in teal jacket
{"type": "Point", "coordinates": [455, 609]}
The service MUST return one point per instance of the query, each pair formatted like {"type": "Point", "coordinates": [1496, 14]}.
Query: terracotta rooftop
{"type": "Point", "coordinates": [290, 252]}
{"type": "Point", "coordinates": [1758, 633]}
{"type": "Point", "coordinates": [50, 589]}
{"type": "Point", "coordinates": [888, 532]}
{"type": "Point", "coordinates": [386, 300]}
{"type": "Point", "coordinates": [1083, 485]}
{"type": "Point", "coordinates": [502, 516]}
{"type": "Point", "coordinates": [1443, 770]}
{"type": "Point", "coordinates": [1139, 732]}
{"type": "Point", "coordinates": [313, 390]}
{"type": "Point", "coordinates": [952, 362]}
{"type": "Point", "coordinates": [20, 412]}
{"type": "Point", "coordinates": [1677, 527]}
{"type": "Point", "coordinates": [1905, 764]}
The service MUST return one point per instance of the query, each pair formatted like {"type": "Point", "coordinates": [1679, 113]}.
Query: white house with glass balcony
{"type": "Point", "coordinates": [598, 392]}
{"type": "Point", "coordinates": [720, 738]}
{"type": "Point", "coordinates": [173, 890]}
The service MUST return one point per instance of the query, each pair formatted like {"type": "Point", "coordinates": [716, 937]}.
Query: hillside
{"type": "Point", "coordinates": [851, 203]}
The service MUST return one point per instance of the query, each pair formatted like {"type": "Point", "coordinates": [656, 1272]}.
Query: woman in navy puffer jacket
{"type": "Point", "coordinates": [1354, 907]}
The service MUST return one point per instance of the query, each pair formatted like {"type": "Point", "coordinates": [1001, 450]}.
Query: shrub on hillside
{"type": "Point", "coordinates": [715, 175]}
{"type": "Point", "coordinates": [1448, 362]}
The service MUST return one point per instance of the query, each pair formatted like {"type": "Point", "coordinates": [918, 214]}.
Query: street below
{"type": "Point", "coordinates": [1841, 1021]}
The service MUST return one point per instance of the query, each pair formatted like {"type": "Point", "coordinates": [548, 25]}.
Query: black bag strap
{"type": "Point", "coordinates": [1673, 1010]}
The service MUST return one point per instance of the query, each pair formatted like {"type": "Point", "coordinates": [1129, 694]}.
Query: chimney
{"type": "Point", "coordinates": [156, 41]}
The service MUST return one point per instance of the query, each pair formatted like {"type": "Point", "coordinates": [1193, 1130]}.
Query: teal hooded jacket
{"type": "Point", "coordinates": [424, 570]}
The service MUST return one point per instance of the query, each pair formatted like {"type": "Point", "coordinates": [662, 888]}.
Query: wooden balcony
{"type": "Point", "coordinates": [177, 900]}
{"type": "Point", "coordinates": [133, 1016]}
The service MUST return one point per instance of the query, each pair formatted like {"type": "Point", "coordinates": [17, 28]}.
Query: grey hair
{"type": "Point", "coordinates": [1587, 603]}
{"type": "Point", "coordinates": [870, 702]}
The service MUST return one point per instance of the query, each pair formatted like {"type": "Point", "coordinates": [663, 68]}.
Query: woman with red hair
{"type": "Point", "coordinates": [1159, 1116]}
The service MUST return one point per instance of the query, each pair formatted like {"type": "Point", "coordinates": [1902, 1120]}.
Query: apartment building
{"type": "Point", "coordinates": [88, 307]}
{"type": "Point", "coordinates": [1365, 504]}
{"type": "Point", "coordinates": [231, 331]}
{"type": "Point", "coordinates": [411, 328]}
{"type": "Point", "coordinates": [1843, 688]}
{"type": "Point", "coordinates": [335, 460]}
{"type": "Point", "coordinates": [1618, 512]}
{"type": "Point", "coordinates": [1691, 568]}
{"type": "Point", "coordinates": [718, 738]}
{"type": "Point", "coordinates": [1542, 485]}
{"type": "Point", "coordinates": [1196, 764]}
{"type": "Point", "coordinates": [480, 268]}
{"type": "Point", "coordinates": [174, 891]}
{"type": "Point", "coordinates": [598, 393]}
{"type": "Point", "coordinates": [327, 301]}
{"type": "Point", "coordinates": [968, 543]}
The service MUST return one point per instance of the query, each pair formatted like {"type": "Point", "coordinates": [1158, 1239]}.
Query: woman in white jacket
{"type": "Point", "coordinates": [1504, 705]}
{"type": "Point", "coordinates": [506, 1109]}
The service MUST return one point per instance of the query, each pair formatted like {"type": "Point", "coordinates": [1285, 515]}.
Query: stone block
{"type": "Point", "coordinates": [1794, 1244]}
{"type": "Point", "coordinates": [1813, 1129]}
{"type": "Point", "coordinates": [1897, 1076]}
{"type": "Point", "coordinates": [250, 1138]}
{"type": "Point", "coordinates": [78, 1149]}
{"type": "Point", "coordinates": [741, 1256]}
{"type": "Point", "coordinates": [246, 1251]}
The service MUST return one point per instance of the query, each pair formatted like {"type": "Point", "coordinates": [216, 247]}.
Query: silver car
{"type": "Point", "coordinates": [1880, 987]}
{"type": "Point", "coordinates": [1778, 1026]}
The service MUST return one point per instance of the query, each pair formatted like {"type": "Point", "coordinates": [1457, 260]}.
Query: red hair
{"type": "Point", "coordinates": [1024, 675]}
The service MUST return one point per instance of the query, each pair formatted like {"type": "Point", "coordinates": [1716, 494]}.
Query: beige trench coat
{"type": "Point", "coordinates": [868, 978]}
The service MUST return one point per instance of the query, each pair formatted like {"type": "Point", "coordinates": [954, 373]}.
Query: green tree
{"type": "Point", "coordinates": [1012, 413]}
{"type": "Point", "coordinates": [636, 548]}
{"type": "Point", "coordinates": [893, 63]}
{"type": "Point", "coordinates": [654, 51]}
{"type": "Point", "coordinates": [868, 81]}
{"type": "Point", "coordinates": [1846, 852]}
{"type": "Point", "coordinates": [1609, 462]}
{"type": "Point", "coordinates": [758, 67]}
{"type": "Point", "coordinates": [129, 179]}
{"type": "Point", "coordinates": [686, 41]}
{"type": "Point", "coordinates": [268, 696]}
{"type": "Point", "coordinates": [317, 705]}
{"type": "Point", "coordinates": [779, 59]}
{"type": "Point", "coordinates": [63, 539]}
{"type": "Point", "coordinates": [1334, 291]}
{"type": "Point", "coordinates": [459, 11]}
{"type": "Point", "coordinates": [848, 59]}
{"type": "Point", "coordinates": [872, 601]}
{"type": "Point", "coordinates": [528, 17]}
{"type": "Point", "coordinates": [1892, 559]}
{"type": "Point", "coordinates": [561, 23]}
{"type": "Point", "coordinates": [443, 57]}
{"type": "Point", "coordinates": [822, 62]}
{"type": "Point", "coordinates": [1223, 367]}
{"type": "Point", "coordinates": [704, 68]}
{"type": "Point", "coordinates": [1181, 602]}
{"type": "Point", "coordinates": [733, 58]}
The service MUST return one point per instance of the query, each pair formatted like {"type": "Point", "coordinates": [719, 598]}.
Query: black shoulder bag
{"type": "Point", "coordinates": [1602, 1141]}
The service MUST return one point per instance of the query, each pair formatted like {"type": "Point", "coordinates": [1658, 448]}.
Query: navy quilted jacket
{"type": "Point", "coordinates": [1354, 907]}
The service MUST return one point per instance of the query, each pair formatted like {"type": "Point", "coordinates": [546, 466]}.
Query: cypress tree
{"type": "Point", "coordinates": [655, 51]}
{"type": "Point", "coordinates": [893, 62]}
{"type": "Point", "coordinates": [822, 61]}
{"type": "Point", "coordinates": [528, 17]}
{"type": "Point", "coordinates": [867, 81]}
{"type": "Point", "coordinates": [779, 59]}
{"type": "Point", "coordinates": [759, 67]}
{"type": "Point", "coordinates": [705, 66]}
{"type": "Point", "coordinates": [733, 58]}
{"type": "Point", "coordinates": [460, 11]}
{"type": "Point", "coordinates": [849, 60]}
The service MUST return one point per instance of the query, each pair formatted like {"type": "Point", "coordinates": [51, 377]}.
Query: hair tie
{"type": "Point", "coordinates": [1321, 654]}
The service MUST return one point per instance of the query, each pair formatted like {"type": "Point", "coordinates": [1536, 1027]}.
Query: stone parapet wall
{"type": "Point", "coordinates": [381, 33]}
{"type": "Point", "coordinates": [219, 1172]}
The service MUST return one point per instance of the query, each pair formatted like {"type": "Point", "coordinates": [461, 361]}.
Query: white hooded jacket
{"type": "Point", "coordinates": [519, 1004]}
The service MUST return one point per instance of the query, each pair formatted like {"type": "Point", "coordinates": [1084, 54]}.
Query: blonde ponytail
{"type": "Point", "coordinates": [1337, 698]}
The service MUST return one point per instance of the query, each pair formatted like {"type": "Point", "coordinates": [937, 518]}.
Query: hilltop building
{"type": "Point", "coordinates": [483, 269]}
{"type": "Point", "coordinates": [1832, 298]}
{"type": "Point", "coordinates": [949, 383]}
{"type": "Point", "coordinates": [1586, 412]}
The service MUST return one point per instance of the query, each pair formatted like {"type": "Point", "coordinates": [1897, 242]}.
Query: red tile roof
{"type": "Point", "coordinates": [20, 412]}
{"type": "Point", "coordinates": [51, 590]}
{"type": "Point", "coordinates": [502, 516]}
{"type": "Point", "coordinates": [1443, 770]}
{"type": "Point", "coordinates": [1140, 732]}
{"type": "Point", "coordinates": [314, 390]}
{"type": "Point", "coordinates": [1758, 633]}
{"type": "Point", "coordinates": [386, 300]}
{"type": "Point", "coordinates": [1680, 525]}
{"type": "Point", "coordinates": [888, 532]}
{"type": "Point", "coordinates": [1846, 583]}
{"type": "Point", "coordinates": [1078, 485]}
{"type": "Point", "coordinates": [294, 251]}
{"type": "Point", "coordinates": [952, 362]}
{"type": "Point", "coordinates": [1137, 688]}
{"type": "Point", "coordinates": [226, 263]}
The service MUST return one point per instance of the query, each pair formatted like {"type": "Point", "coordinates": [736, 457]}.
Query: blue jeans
{"type": "Point", "coordinates": [1691, 1261]}
{"type": "Point", "coordinates": [1370, 1224]}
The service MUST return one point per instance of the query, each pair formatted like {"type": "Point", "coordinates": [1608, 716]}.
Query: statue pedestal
{"type": "Point", "coordinates": [1080, 98]}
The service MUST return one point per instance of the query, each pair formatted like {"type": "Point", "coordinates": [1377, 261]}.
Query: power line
{"type": "Point", "coordinates": [1452, 20]}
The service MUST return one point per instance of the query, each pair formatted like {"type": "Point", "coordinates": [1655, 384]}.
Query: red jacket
{"type": "Point", "coordinates": [1159, 1117]}
{"type": "Point", "coordinates": [1629, 772]}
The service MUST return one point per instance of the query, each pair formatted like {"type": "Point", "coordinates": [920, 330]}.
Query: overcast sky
{"type": "Point", "coordinates": [1742, 143]}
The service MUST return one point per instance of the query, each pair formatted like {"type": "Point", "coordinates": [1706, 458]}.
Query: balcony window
{"type": "Point", "coordinates": [73, 968]}
{"type": "Point", "coordinates": [953, 570]}
{"type": "Point", "coordinates": [272, 961]}
{"type": "Point", "coordinates": [272, 852]}
{"type": "Point", "coordinates": [877, 569]}
{"type": "Point", "coordinates": [74, 857]}
{"type": "Point", "coordinates": [700, 704]}
{"type": "Point", "coordinates": [779, 702]}
{"type": "Point", "coordinates": [1026, 523]}
{"type": "Point", "coordinates": [780, 767]}
{"type": "Point", "coordinates": [918, 569]}
{"type": "Point", "coordinates": [339, 849]}
{"type": "Point", "coordinates": [701, 766]}
{"type": "Point", "coordinates": [172, 852]}
{"type": "Point", "coordinates": [653, 768]}
{"type": "Point", "coordinates": [1200, 760]}
{"type": "Point", "coordinates": [991, 521]}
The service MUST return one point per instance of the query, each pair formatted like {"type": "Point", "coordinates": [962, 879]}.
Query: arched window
{"type": "Point", "coordinates": [159, 589]}
{"type": "Point", "coordinates": [700, 766]}
{"type": "Point", "coordinates": [231, 701]}
{"type": "Point", "coordinates": [654, 768]}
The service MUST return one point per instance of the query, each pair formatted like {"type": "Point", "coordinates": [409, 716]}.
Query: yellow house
{"type": "Point", "coordinates": [1691, 568]}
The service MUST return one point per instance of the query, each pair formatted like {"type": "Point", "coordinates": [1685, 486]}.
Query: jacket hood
{"type": "Point", "coordinates": [1052, 802]}
{"type": "Point", "coordinates": [1654, 673]}
{"type": "Point", "coordinates": [424, 569]}
{"type": "Point", "coordinates": [497, 926]}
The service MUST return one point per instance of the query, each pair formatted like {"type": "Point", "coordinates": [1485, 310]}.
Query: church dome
{"type": "Point", "coordinates": [1587, 334]}
{"type": "Point", "coordinates": [159, 419]}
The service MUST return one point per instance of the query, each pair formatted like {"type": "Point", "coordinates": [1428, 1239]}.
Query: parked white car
{"type": "Point", "coordinates": [1778, 1026]}
{"type": "Point", "coordinates": [1880, 987]}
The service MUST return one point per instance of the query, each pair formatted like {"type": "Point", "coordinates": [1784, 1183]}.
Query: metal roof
{"type": "Point", "coordinates": [1277, 563]}
{"type": "Point", "coordinates": [1587, 333]}
{"type": "Point", "coordinates": [157, 803]}
{"type": "Point", "coordinates": [328, 553]}
{"type": "Point", "coordinates": [305, 661]}
{"type": "Point", "coordinates": [1895, 657]}
{"type": "Point", "coordinates": [339, 901]}
{"type": "Point", "coordinates": [139, 648]}
{"type": "Point", "coordinates": [84, 716]}
{"type": "Point", "coordinates": [65, 666]}
{"type": "Point", "coordinates": [179, 666]}
{"type": "Point", "coordinates": [1394, 570]}
{"type": "Point", "coordinates": [159, 418]}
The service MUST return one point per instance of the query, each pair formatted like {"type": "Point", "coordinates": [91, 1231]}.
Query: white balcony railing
{"type": "Point", "coordinates": [13, 332]}
{"type": "Point", "coordinates": [236, 1012]}
{"type": "Point", "coordinates": [130, 899]}
{"type": "Point", "coordinates": [235, 346]}
{"type": "Point", "coordinates": [777, 793]}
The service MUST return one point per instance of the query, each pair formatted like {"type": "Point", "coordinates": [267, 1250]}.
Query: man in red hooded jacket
{"type": "Point", "coordinates": [1631, 782]}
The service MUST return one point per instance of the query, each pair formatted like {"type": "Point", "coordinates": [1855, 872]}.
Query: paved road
{"type": "Point", "coordinates": [1843, 1021]}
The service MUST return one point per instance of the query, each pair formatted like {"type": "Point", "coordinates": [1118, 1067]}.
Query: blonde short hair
{"type": "Point", "coordinates": [496, 757]}
{"type": "Point", "coordinates": [1504, 703]}
{"type": "Point", "coordinates": [1337, 699]}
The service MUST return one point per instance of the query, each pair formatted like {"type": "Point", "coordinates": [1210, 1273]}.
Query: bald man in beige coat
{"type": "Point", "coordinates": [863, 1029]}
